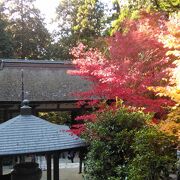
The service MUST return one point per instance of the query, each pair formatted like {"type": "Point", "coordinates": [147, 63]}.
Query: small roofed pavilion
{"type": "Point", "coordinates": [27, 134]}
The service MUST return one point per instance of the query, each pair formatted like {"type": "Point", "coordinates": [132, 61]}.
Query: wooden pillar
{"type": "Point", "coordinates": [33, 111]}
{"type": "Point", "coordinates": [80, 166]}
{"type": "Point", "coordinates": [1, 166]}
{"type": "Point", "coordinates": [1, 116]}
{"type": "Point", "coordinates": [74, 114]}
{"type": "Point", "coordinates": [10, 115]}
{"type": "Point", "coordinates": [33, 158]}
{"type": "Point", "coordinates": [5, 115]}
{"type": "Point", "coordinates": [22, 159]}
{"type": "Point", "coordinates": [48, 159]}
{"type": "Point", "coordinates": [80, 161]}
{"type": "Point", "coordinates": [56, 166]}
{"type": "Point", "coordinates": [14, 161]}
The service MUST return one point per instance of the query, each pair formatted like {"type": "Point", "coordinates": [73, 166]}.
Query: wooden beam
{"type": "Point", "coordinates": [56, 166]}
{"type": "Point", "coordinates": [48, 159]}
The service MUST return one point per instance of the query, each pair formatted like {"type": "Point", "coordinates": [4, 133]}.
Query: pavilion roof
{"type": "Point", "coordinates": [26, 134]}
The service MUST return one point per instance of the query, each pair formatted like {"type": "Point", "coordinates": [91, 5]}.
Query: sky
{"type": "Point", "coordinates": [48, 8]}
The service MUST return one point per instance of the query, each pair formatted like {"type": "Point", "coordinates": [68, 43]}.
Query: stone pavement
{"type": "Point", "coordinates": [69, 173]}
{"type": "Point", "coordinates": [67, 170]}
{"type": "Point", "coordinates": [66, 174]}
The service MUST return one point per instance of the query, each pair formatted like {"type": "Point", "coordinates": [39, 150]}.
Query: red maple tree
{"type": "Point", "coordinates": [137, 60]}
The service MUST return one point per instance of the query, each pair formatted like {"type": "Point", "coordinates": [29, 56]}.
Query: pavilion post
{"type": "Point", "coordinates": [48, 159]}
{"type": "Point", "coordinates": [80, 166]}
{"type": "Point", "coordinates": [56, 166]}
{"type": "Point", "coordinates": [1, 166]}
{"type": "Point", "coordinates": [80, 161]}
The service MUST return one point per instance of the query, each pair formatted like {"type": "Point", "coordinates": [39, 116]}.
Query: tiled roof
{"type": "Point", "coordinates": [43, 81]}
{"type": "Point", "coordinates": [26, 134]}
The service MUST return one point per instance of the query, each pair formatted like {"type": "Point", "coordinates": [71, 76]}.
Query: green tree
{"type": "Point", "coordinates": [159, 5]}
{"type": "Point", "coordinates": [6, 45]}
{"type": "Point", "coordinates": [30, 37]}
{"type": "Point", "coordinates": [66, 16]}
{"type": "Point", "coordinates": [78, 21]}
{"type": "Point", "coordinates": [64, 35]}
{"type": "Point", "coordinates": [5, 37]}
{"type": "Point", "coordinates": [131, 8]}
{"type": "Point", "coordinates": [90, 20]}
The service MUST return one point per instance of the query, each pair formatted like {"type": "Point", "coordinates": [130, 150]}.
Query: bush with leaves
{"type": "Point", "coordinates": [155, 155]}
{"type": "Point", "coordinates": [123, 145]}
{"type": "Point", "coordinates": [62, 117]}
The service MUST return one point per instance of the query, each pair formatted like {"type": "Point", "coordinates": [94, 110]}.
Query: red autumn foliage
{"type": "Point", "coordinates": [77, 129]}
{"type": "Point", "coordinates": [137, 60]}
{"type": "Point", "coordinates": [90, 117]}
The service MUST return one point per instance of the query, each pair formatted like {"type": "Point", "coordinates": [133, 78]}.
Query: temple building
{"type": "Point", "coordinates": [46, 84]}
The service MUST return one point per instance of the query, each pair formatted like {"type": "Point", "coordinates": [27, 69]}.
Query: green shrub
{"type": "Point", "coordinates": [110, 139]}
{"type": "Point", "coordinates": [155, 155]}
{"type": "Point", "coordinates": [116, 147]}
